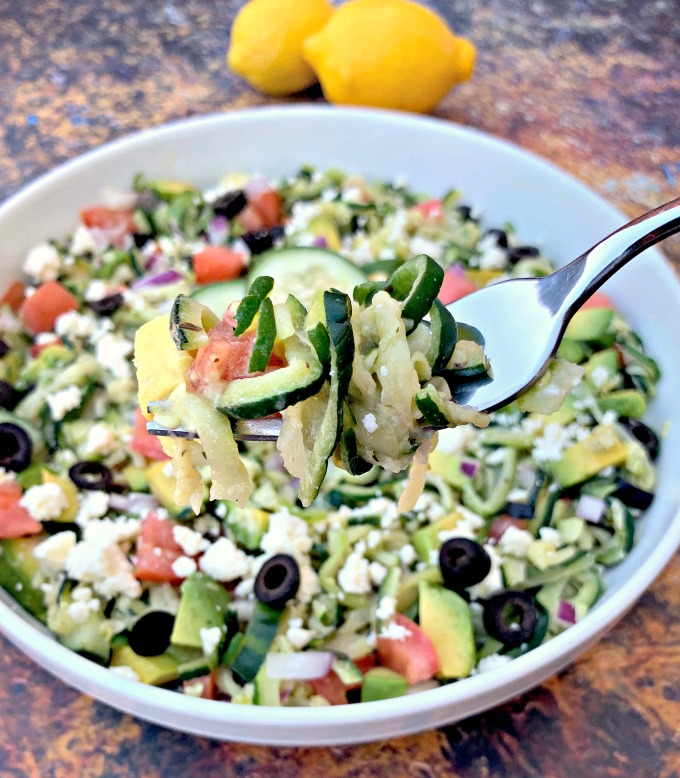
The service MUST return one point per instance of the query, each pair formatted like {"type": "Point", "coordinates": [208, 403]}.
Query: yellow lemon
{"type": "Point", "coordinates": [266, 43]}
{"type": "Point", "coordinates": [390, 54]}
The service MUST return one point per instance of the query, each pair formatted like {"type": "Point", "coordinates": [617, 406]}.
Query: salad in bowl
{"type": "Point", "coordinates": [327, 568]}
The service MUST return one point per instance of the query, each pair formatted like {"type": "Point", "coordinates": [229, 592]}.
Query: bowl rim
{"type": "Point", "coordinates": [327, 725]}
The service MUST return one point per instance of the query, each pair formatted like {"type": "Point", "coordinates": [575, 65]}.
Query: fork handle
{"type": "Point", "coordinates": [564, 291]}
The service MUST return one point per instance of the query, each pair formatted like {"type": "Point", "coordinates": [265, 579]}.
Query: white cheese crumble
{"type": "Point", "coordinates": [74, 325]}
{"type": "Point", "coordinates": [369, 422]}
{"type": "Point", "coordinates": [492, 256]}
{"type": "Point", "coordinates": [101, 439]}
{"type": "Point", "coordinates": [298, 637]}
{"type": "Point", "coordinates": [91, 505]}
{"type": "Point", "coordinates": [106, 567]}
{"type": "Point", "coordinates": [112, 352]}
{"type": "Point", "coordinates": [6, 476]}
{"type": "Point", "coordinates": [515, 541]}
{"type": "Point", "coordinates": [407, 554]}
{"type": "Point", "coordinates": [377, 572]}
{"type": "Point", "coordinates": [53, 552]}
{"type": "Point", "coordinates": [86, 241]}
{"type": "Point", "coordinates": [550, 445]}
{"type": "Point", "coordinates": [394, 631]}
{"type": "Point", "coordinates": [550, 536]}
{"type": "Point", "coordinates": [184, 566]}
{"type": "Point", "coordinates": [210, 639]}
{"type": "Point", "coordinates": [494, 580]}
{"type": "Point", "coordinates": [125, 671]}
{"type": "Point", "coordinates": [354, 576]}
{"type": "Point", "coordinates": [42, 263]}
{"type": "Point", "coordinates": [387, 607]}
{"type": "Point", "coordinates": [491, 662]}
{"type": "Point", "coordinates": [44, 501]}
{"type": "Point", "coordinates": [99, 290]}
{"type": "Point", "coordinates": [63, 401]}
{"type": "Point", "coordinates": [223, 561]}
{"type": "Point", "coordinates": [191, 542]}
{"type": "Point", "coordinates": [456, 440]}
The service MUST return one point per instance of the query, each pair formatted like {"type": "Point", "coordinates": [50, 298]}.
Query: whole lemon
{"type": "Point", "coordinates": [266, 40]}
{"type": "Point", "coordinates": [389, 54]}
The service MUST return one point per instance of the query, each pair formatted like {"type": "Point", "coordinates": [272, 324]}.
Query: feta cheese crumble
{"type": "Point", "coordinates": [42, 263]}
{"type": "Point", "coordinates": [44, 501]}
{"type": "Point", "coordinates": [210, 639]}
{"type": "Point", "coordinates": [354, 576]}
{"type": "Point", "coordinates": [63, 401]}
{"type": "Point", "coordinates": [224, 561]}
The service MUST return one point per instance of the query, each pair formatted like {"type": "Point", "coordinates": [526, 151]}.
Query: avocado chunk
{"type": "Point", "coordinates": [154, 670]}
{"type": "Point", "coordinates": [426, 539]}
{"type": "Point", "coordinates": [247, 525]}
{"type": "Point", "coordinates": [448, 467]}
{"type": "Point", "coordinates": [626, 402]}
{"type": "Point", "coordinates": [167, 189]}
{"type": "Point", "coordinates": [571, 350]}
{"type": "Point", "coordinates": [446, 619]}
{"type": "Point", "coordinates": [591, 324]}
{"type": "Point", "coordinates": [20, 574]}
{"type": "Point", "coordinates": [381, 683]}
{"type": "Point", "coordinates": [602, 448]}
{"type": "Point", "coordinates": [203, 604]}
{"type": "Point", "coordinates": [91, 637]}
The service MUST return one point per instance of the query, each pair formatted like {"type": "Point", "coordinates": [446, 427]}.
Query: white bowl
{"type": "Point", "coordinates": [548, 208]}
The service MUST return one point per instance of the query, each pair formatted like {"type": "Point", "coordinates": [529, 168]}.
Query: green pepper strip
{"type": "Point", "coordinates": [498, 495]}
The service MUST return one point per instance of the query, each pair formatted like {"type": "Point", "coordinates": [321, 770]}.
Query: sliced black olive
{"type": "Point", "coordinates": [632, 496]}
{"type": "Point", "coordinates": [278, 581]}
{"type": "Point", "coordinates": [92, 476]}
{"type": "Point", "coordinates": [140, 239]}
{"type": "Point", "coordinates": [107, 305]}
{"type": "Point", "coordinates": [521, 252]}
{"type": "Point", "coordinates": [15, 447]}
{"type": "Point", "coordinates": [150, 634]}
{"type": "Point", "coordinates": [9, 396]}
{"type": "Point", "coordinates": [4, 349]}
{"type": "Point", "coordinates": [643, 434]}
{"type": "Point", "coordinates": [466, 213]}
{"type": "Point", "coordinates": [230, 204]}
{"type": "Point", "coordinates": [463, 563]}
{"type": "Point", "coordinates": [510, 617]}
{"type": "Point", "coordinates": [519, 510]}
{"type": "Point", "coordinates": [261, 240]}
{"type": "Point", "coordinates": [501, 237]}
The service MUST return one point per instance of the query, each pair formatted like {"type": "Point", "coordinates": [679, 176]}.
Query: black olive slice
{"type": "Point", "coordinates": [261, 240]}
{"type": "Point", "coordinates": [230, 204]}
{"type": "Point", "coordinates": [92, 476]}
{"type": "Point", "coordinates": [107, 305]}
{"type": "Point", "coordinates": [465, 212]}
{"type": "Point", "coordinates": [277, 581]}
{"type": "Point", "coordinates": [463, 563]}
{"type": "Point", "coordinates": [16, 447]}
{"type": "Point", "coordinates": [501, 237]}
{"type": "Point", "coordinates": [4, 349]}
{"type": "Point", "coordinates": [150, 634]}
{"type": "Point", "coordinates": [510, 617]}
{"type": "Point", "coordinates": [9, 396]}
{"type": "Point", "coordinates": [643, 434]}
{"type": "Point", "coordinates": [632, 496]}
{"type": "Point", "coordinates": [140, 239]}
{"type": "Point", "coordinates": [521, 252]}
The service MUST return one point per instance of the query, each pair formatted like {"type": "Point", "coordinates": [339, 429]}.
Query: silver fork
{"type": "Point", "coordinates": [522, 320]}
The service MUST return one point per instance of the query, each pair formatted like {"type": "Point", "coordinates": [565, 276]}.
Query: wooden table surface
{"type": "Point", "coordinates": [585, 83]}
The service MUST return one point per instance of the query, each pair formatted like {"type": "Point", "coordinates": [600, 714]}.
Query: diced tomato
{"type": "Point", "coordinates": [598, 300]}
{"type": "Point", "coordinates": [413, 656]}
{"type": "Point", "coordinates": [15, 520]}
{"type": "Point", "coordinates": [225, 358]}
{"type": "Point", "coordinates": [333, 689]}
{"type": "Point", "coordinates": [267, 204]}
{"type": "Point", "coordinates": [14, 296]}
{"type": "Point", "coordinates": [431, 209]}
{"type": "Point", "coordinates": [250, 219]}
{"type": "Point", "coordinates": [217, 263]}
{"type": "Point", "coordinates": [145, 443]}
{"type": "Point", "coordinates": [157, 550]}
{"type": "Point", "coordinates": [499, 525]}
{"type": "Point", "coordinates": [40, 311]}
{"type": "Point", "coordinates": [455, 286]}
{"type": "Point", "coordinates": [108, 219]}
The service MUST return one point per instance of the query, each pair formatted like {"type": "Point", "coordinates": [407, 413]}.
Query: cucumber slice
{"type": "Point", "coordinates": [338, 311]}
{"type": "Point", "coordinates": [264, 339]}
{"type": "Point", "coordinates": [444, 335]}
{"type": "Point", "coordinates": [416, 285]}
{"type": "Point", "coordinates": [253, 398]}
{"type": "Point", "coordinates": [252, 649]}
{"type": "Point", "coordinates": [250, 305]}
{"type": "Point", "coordinates": [302, 271]}
{"type": "Point", "coordinates": [218, 297]}
{"type": "Point", "coordinates": [190, 322]}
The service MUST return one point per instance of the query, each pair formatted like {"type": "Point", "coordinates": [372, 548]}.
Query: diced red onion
{"type": "Point", "coordinates": [256, 187]}
{"type": "Point", "coordinates": [217, 230]}
{"type": "Point", "coordinates": [456, 269]}
{"type": "Point", "coordinates": [300, 666]}
{"type": "Point", "coordinates": [590, 508]}
{"type": "Point", "coordinates": [152, 261]}
{"type": "Point", "coordinates": [566, 613]}
{"type": "Point", "coordinates": [469, 467]}
{"type": "Point", "coordinates": [321, 242]}
{"type": "Point", "coordinates": [161, 279]}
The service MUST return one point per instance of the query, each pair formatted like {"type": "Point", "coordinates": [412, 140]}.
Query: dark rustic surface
{"type": "Point", "coordinates": [589, 84]}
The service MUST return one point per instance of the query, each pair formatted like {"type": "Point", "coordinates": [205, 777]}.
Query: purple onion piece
{"type": "Point", "coordinates": [469, 467]}
{"type": "Point", "coordinates": [161, 279]}
{"type": "Point", "coordinates": [321, 242]}
{"type": "Point", "coordinates": [590, 508]}
{"type": "Point", "coordinates": [300, 666]}
{"type": "Point", "coordinates": [566, 613]}
{"type": "Point", "coordinates": [217, 231]}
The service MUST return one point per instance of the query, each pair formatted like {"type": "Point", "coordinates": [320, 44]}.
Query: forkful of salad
{"type": "Point", "coordinates": [366, 381]}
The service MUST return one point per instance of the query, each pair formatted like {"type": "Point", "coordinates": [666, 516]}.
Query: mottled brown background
{"type": "Point", "coordinates": [592, 85]}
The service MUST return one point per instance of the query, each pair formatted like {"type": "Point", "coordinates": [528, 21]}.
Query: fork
{"type": "Point", "coordinates": [522, 319]}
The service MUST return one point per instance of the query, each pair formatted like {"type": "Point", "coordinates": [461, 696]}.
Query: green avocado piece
{"type": "Point", "coordinates": [92, 636]}
{"type": "Point", "coordinates": [446, 619]}
{"type": "Point", "coordinates": [591, 324]}
{"type": "Point", "coordinates": [167, 189]}
{"type": "Point", "coordinates": [626, 402]}
{"type": "Point", "coordinates": [602, 448]}
{"type": "Point", "coordinates": [381, 683]}
{"type": "Point", "coordinates": [426, 539]}
{"type": "Point", "coordinates": [154, 670]}
{"type": "Point", "coordinates": [247, 525]}
{"type": "Point", "coordinates": [20, 574]}
{"type": "Point", "coordinates": [571, 350]}
{"type": "Point", "coordinates": [203, 604]}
